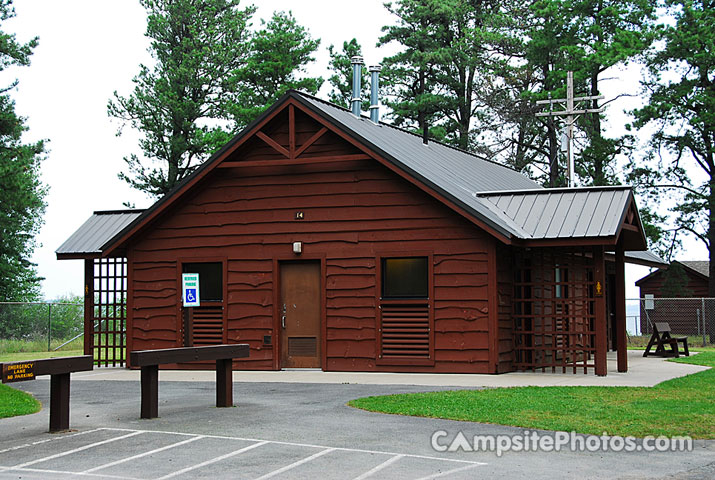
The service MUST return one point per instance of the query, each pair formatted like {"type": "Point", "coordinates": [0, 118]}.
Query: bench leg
{"type": "Point", "coordinates": [59, 402]}
{"type": "Point", "coordinates": [150, 391]}
{"type": "Point", "coordinates": [224, 382]}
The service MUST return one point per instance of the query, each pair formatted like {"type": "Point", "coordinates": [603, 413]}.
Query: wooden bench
{"type": "Point", "coordinates": [661, 338]}
{"type": "Point", "coordinates": [59, 370]}
{"type": "Point", "coordinates": [149, 361]}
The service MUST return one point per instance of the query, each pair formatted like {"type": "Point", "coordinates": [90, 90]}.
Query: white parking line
{"type": "Point", "coordinates": [310, 445]}
{"type": "Point", "coordinates": [384, 464]}
{"type": "Point", "coordinates": [39, 442]}
{"type": "Point", "coordinates": [448, 472]}
{"type": "Point", "coordinates": [393, 457]}
{"type": "Point", "coordinates": [293, 465]}
{"type": "Point", "coordinates": [150, 452]}
{"type": "Point", "coordinates": [213, 460]}
{"type": "Point", "coordinates": [86, 447]}
{"type": "Point", "coordinates": [72, 474]}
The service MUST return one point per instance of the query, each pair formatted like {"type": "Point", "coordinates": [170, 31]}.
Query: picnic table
{"type": "Point", "coordinates": [662, 338]}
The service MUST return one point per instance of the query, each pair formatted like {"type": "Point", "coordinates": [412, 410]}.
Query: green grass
{"type": "Point", "coordinates": [20, 356]}
{"type": "Point", "coordinates": [17, 346]}
{"type": "Point", "coordinates": [682, 406]}
{"type": "Point", "coordinates": [639, 342]}
{"type": "Point", "coordinates": [14, 402]}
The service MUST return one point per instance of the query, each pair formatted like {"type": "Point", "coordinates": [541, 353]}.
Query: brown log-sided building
{"type": "Point", "coordinates": [686, 280]}
{"type": "Point", "coordinates": [325, 240]}
{"type": "Point", "coordinates": [694, 281]}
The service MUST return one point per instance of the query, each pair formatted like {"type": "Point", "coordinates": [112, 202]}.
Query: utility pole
{"type": "Point", "coordinates": [571, 117]}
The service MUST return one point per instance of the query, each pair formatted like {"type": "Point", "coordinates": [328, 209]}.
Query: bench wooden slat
{"type": "Point", "coordinates": [141, 358]}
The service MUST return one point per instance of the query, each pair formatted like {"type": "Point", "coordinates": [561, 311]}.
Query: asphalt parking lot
{"type": "Point", "coordinates": [285, 430]}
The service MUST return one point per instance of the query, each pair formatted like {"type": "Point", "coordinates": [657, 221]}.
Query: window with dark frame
{"type": "Point", "coordinates": [406, 277]}
{"type": "Point", "coordinates": [210, 279]}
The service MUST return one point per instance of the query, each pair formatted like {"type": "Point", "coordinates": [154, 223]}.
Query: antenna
{"type": "Point", "coordinates": [571, 117]}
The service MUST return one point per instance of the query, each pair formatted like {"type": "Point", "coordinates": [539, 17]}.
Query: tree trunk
{"type": "Point", "coordinates": [421, 117]}
{"type": "Point", "coordinates": [554, 173]}
{"type": "Point", "coordinates": [709, 313]}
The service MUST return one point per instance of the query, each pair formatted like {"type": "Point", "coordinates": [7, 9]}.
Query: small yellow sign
{"type": "Point", "coordinates": [18, 372]}
{"type": "Point", "coordinates": [599, 289]}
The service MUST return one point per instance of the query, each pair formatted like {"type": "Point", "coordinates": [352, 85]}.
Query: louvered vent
{"type": "Point", "coordinates": [405, 331]}
{"type": "Point", "coordinates": [208, 326]}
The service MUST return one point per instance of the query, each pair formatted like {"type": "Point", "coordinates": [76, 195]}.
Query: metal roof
{"type": "Point", "coordinates": [646, 257]}
{"type": "Point", "coordinates": [700, 266]}
{"type": "Point", "coordinates": [563, 213]}
{"type": "Point", "coordinates": [456, 173]}
{"type": "Point", "coordinates": [95, 232]}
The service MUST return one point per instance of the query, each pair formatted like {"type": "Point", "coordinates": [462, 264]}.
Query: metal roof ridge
{"type": "Point", "coordinates": [118, 212]}
{"type": "Point", "coordinates": [541, 191]}
{"type": "Point", "coordinates": [516, 229]}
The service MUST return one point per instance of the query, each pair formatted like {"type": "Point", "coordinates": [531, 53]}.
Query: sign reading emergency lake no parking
{"type": "Point", "coordinates": [190, 289]}
{"type": "Point", "coordinates": [18, 371]}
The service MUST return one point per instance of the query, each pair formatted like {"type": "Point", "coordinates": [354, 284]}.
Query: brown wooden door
{"type": "Point", "coordinates": [300, 315]}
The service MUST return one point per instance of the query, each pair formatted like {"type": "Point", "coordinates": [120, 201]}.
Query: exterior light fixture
{"type": "Point", "coordinates": [297, 248]}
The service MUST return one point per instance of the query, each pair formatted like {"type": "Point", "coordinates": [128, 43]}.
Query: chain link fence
{"type": "Point", "coordinates": [40, 326]}
{"type": "Point", "coordinates": [691, 317]}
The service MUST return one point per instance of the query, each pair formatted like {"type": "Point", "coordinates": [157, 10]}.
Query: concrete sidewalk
{"type": "Point", "coordinates": [642, 372]}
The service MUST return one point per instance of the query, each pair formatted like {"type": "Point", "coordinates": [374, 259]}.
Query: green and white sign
{"type": "Point", "coordinates": [190, 289]}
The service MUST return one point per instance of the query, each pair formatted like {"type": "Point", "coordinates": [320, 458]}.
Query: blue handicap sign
{"type": "Point", "coordinates": [190, 295]}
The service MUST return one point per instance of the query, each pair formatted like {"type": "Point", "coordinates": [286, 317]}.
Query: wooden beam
{"type": "Point", "coordinates": [141, 358]}
{"type": "Point", "coordinates": [150, 391]}
{"type": "Point", "coordinates": [59, 402]}
{"type": "Point", "coordinates": [297, 161]}
{"type": "Point", "coordinates": [493, 307]}
{"type": "Point", "coordinates": [224, 382]}
{"type": "Point", "coordinates": [311, 141]}
{"type": "Point", "coordinates": [59, 370]}
{"type": "Point", "coordinates": [273, 144]}
{"type": "Point", "coordinates": [291, 132]}
{"type": "Point", "coordinates": [599, 280]}
{"type": "Point", "coordinates": [88, 305]}
{"type": "Point", "coordinates": [620, 293]}
{"type": "Point", "coordinates": [149, 361]}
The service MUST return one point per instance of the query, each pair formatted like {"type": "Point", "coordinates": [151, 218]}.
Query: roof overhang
{"type": "Point", "coordinates": [86, 242]}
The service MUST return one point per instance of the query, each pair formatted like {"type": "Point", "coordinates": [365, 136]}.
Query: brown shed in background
{"type": "Point", "coordinates": [325, 240]}
{"type": "Point", "coordinates": [681, 279]}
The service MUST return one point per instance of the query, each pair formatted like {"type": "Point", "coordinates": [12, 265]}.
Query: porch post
{"type": "Point", "coordinates": [599, 279]}
{"type": "Point", "coordinates": [620, 286]}
{"type": "Point", "coordinates": [88, 305]}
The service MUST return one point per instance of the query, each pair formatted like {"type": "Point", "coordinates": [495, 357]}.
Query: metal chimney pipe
{"type": "Point", "coordinates": [356, 101]}
{"type": "Point", "coordinates": [374, 93]}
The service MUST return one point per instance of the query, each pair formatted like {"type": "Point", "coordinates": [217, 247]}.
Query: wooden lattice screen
{"type": "Point", "coordinates": [109, 311]}
{"type": "Point", "coordinates": [554, 310]}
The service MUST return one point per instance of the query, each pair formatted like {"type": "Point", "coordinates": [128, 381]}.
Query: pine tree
{"type": "Point", "coordinates": [680, 90]}
{"type": "Point", "coordinates": [341, 79]}
{"type": "Point", "coordinates": [212, 76]}
{"type": "Point", "coordinates": [21, 191]}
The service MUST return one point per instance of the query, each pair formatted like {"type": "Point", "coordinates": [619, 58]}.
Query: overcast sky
{"type": "Point", "coordinates": [89, 48]}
